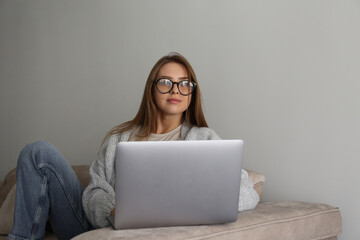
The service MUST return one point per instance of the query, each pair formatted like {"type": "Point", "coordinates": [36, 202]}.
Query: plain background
{"type": "Point", "coordinates": [282, 75]}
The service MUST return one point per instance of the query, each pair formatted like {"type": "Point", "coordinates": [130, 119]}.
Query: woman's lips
{"type": "Point", "coordinates": [173, 100]}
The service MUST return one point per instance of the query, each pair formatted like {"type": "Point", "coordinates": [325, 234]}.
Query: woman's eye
{"type": "Point", "coordinates": [185, 83]}
{"type": "Point", "coordinates": [165, 82]}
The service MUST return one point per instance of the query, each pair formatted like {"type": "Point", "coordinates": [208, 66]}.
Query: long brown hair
{"type": "Point", "coordinates": [146, 116]}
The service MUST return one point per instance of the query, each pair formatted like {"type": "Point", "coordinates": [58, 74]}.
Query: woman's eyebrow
{"type": "Point", "coordinates": [172, 77]}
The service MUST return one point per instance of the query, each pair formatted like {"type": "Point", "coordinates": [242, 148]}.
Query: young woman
{"type": "Point", "coordinates": [48, 188]}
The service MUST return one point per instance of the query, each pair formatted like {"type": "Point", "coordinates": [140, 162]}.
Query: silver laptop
{"type": "Point", "coordinates": [177, 183]}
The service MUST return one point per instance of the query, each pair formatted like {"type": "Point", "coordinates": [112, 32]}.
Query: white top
{"type": "Point", "coordinates": [173, 135]}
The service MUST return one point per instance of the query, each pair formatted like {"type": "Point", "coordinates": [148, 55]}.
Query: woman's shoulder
{"type": "Point", "coordinates": [199, 133]}
{"type": "Point", "coordinates": [114, 139]}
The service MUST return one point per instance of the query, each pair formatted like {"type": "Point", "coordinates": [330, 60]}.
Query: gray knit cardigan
{"type": "Point", "coordinates": [99, 196]}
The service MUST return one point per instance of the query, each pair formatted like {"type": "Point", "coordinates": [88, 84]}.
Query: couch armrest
{"type": "Point", "coordinates": [258, 180]}
{"type": "Point", "coordinates": [7, 184]}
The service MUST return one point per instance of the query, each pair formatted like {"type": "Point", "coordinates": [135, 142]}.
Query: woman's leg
{"type": "Point", "coordinates": [47, 187]}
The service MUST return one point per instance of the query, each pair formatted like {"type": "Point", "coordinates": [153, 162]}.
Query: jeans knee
{"type": "Point", "coordinates": [32, 150]}
{"type": "Point", "coordinates": [40, 144]}
{"type": "Point", "coordinates": [37, 146]}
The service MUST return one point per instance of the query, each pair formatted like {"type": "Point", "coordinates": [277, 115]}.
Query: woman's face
{"type": "Point", "coordinates": [172, 103]}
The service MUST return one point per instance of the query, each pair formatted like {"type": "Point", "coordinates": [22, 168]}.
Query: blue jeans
{"type": "Point", "coordinates": [47, 188]}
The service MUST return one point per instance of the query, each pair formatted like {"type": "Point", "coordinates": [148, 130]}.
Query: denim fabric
{"type": "Point", "coordinates": [47, 188]}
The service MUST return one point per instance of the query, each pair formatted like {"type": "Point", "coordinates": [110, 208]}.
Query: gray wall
{"type": "Point", "coordinates": [282, 75]}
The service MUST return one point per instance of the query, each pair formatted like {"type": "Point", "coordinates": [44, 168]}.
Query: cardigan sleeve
{"type": "Point", "coordinates": [99, 196]}
{"type": "Point", "coordinates": [248, 197]}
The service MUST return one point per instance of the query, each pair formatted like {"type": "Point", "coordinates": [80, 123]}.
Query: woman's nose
{"type": "Point", "coordinates": [175, 89]}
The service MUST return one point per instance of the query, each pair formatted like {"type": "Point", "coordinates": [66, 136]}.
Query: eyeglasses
{"type": "Point", "coordinates": [164, 85]}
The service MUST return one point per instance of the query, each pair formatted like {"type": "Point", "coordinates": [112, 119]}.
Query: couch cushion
{"type": "Point", "coordinates": [7, 212]}
{"type": "Point", "coordinates": [7, 185]}
{"type": "Point", "coordinates": [270, 220]}
{"type": "Point", "coordinates": [82, 172]}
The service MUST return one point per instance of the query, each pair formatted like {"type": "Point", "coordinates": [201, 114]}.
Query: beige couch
{"type": "Point", "coordinates": [270, 220]}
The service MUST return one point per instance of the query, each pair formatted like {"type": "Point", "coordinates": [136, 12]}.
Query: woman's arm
{"type": "Point", "coordinates": [99, 196]}
{"type": "Point", "coordinates": [248, 197]}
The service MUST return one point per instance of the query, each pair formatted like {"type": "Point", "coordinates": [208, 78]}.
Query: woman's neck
{"type": "Point", "coordinates": [167, 124]}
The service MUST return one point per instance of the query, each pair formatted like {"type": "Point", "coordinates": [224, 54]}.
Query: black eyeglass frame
{"type": "Point", "coordinates": [172, 86]}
